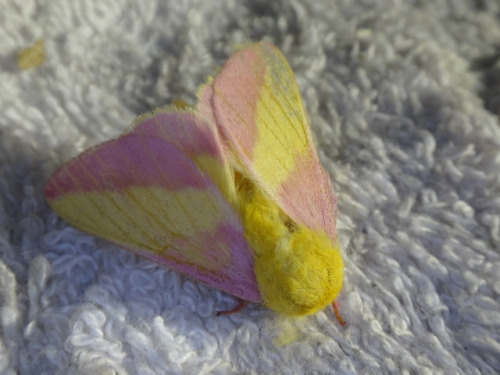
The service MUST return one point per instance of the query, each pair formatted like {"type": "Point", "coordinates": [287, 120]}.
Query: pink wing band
{"type": "Point", "coordinates": [183, 129]}
{"type": "Point", "coordinates": [242, 107]}
{"type": "Point", "coordinates": [321, 203]}
{"type": "Point", "coordinates": [137, 160]}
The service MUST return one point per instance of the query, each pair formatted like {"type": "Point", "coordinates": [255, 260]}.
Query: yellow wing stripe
{"type": "Point", "coordinates": [109, 213]}
{"type": "Point", "coordinates": [278, 131]}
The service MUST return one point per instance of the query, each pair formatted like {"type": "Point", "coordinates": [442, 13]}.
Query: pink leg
{"type": "Point", "coordinates": [335, 306]}
{"type": "Point", "coordinates": [238, 308]}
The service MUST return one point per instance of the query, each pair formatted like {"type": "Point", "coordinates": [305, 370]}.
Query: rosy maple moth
{"type": "Point", "coordinates": [230, 193]}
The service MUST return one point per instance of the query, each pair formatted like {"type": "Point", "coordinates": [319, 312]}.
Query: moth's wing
{"type": "Point", "coordinates": [145, 192]}
{"type": "Point", "coordinates": [196, 138]}
{"type": "Point", "coordinates": [256, 104]}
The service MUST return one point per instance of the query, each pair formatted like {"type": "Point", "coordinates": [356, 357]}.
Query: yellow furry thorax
{"type": "Point", "coordinates": [299, 270]}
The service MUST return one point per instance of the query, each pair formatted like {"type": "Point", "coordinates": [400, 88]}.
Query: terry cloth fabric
{"type": "Point", "coordinates": [403, 98]}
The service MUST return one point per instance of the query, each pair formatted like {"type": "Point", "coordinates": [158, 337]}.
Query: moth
{"type": "Point", "coordinates": [230, 193]}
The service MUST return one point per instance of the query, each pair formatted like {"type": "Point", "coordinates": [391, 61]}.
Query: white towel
{"type": "Point", "coordinates": [403, 100]}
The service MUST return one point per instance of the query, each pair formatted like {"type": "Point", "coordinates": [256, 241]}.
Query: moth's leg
{"type": "Point", "coordinates": [238, 308]}
{"type": "Point", "coordinates": [335, 306]}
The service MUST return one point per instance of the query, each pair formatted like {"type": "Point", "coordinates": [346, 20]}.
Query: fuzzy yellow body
{"type": "Point", "coordinates": [299, 270]}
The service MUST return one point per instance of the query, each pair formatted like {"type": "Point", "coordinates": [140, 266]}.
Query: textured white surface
{"type": "Point", "coordinates": [403, 99]}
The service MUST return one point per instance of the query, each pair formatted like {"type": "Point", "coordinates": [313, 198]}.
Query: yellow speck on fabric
{"type": "Point", "coordinates": [31, 57]}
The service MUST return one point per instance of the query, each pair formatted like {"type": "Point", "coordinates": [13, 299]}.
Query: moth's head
{"type": "Point", "coordinates": [303, 274]}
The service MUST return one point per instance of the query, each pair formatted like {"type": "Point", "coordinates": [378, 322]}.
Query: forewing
{"type": "Point", "coordinates": [256, 104]}
{"type": "Point", "coordinates": [146, 193]}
